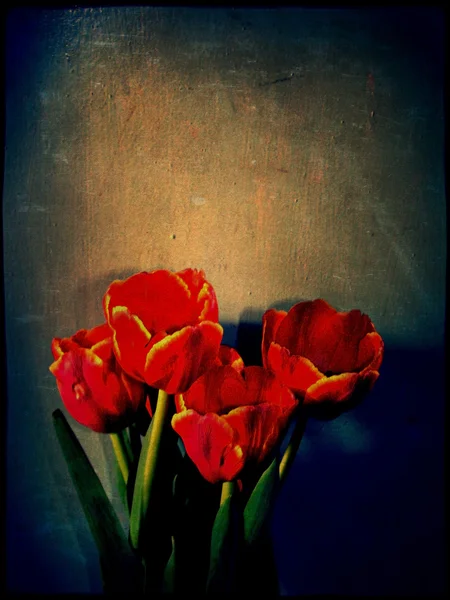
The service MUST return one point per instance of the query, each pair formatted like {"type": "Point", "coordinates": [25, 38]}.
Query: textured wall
{"type": "Point", "coordinates": [291, 155]}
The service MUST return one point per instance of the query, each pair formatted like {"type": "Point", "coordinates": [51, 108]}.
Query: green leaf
{"type": "Point", "coordinates": [170, 572]}
{"type": "Point", "coordinates": [260, 504]}
{"type": "Point", "coordinates": [168, 586]}
{"type": "Point", "coordinates": [194, 508]}
{"type": "Point", "coordinates": [225, 540]}
{"type": "Point", "coordinates": [121, 486]}
{"type": "Point", "coordinates": [127, 444]}
{"type": "Point", "coordinates": [121, 569]}
{"type": "Point", "coordinates": [137, 513]}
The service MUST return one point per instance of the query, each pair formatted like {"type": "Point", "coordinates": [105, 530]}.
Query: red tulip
{"type": "Point", "coordinates": [227, 419]}
{"type": "Point", "coordinates": [321, 354]}
{"type": "Point", "coordinates": [93, 387]}
{"type": "Point", "coordinates": [165, 327]}
{"type": "Point", "coordinates": [226, 356]}
{"type": "Point", "coordinates": [229, 356]}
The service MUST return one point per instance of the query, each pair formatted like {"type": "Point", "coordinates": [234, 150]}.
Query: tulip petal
{"type": "Point", "coordinates": [293, 331]}
{"type": "Point", "coordinates": [209, 442]}
{"type": "Point", "coordinates": [272, 319]}
{"type": "Point", "coordinates": [61, 345]}
{"type": "Point", "coordinates": [180, 404]}
{"type": "Point", "coordinates": [338, 388]}
{"type": "Point", "coordinates": [328, 338]}
{"type": "Point", "coordinates": [56, 349]}
{"type": "Point", "coordinates": [104, 350]}
{"type": "Point", "coordinates": [135, 389]}
{"type": "Point", "coordinates": [93, 394]}
{"type": "Point", "coordinates": [155, 318]}
{"type": "Point", "coordinates": [218, 390]}
{"type": "Point", "coordinates": [83, 338]}
{"type": "Point", "coordinates": [229, 356]}
{"type": "Point", "coordinates": [173, 363]}
{"type": "Point", "coordinates": [202, 293]}
{"type": "Point", "coordinates": [370, 352]}
{"type": "Point", "coordinates": [161, 300]}
{"type": "Point", "coordinates": [329, 400]}
{"type": "Point", "coordinates": [342, 354]}
{"type": "Point", "coordinates": [131, 340]}
{"type": "Point", "coordinates": [93, 387]}
{"type": "Point", "coordinates": [263, 386]}
{"type": "Point", "coordinates": [207, 299]}
{"type": "Point", "coordinates": [89, 337]}
{"type": "Point", "coordinates": [86, 393]}
{"type": "Point", "coordinates": [254, 404]}
{"type": "Point", "coordinates": [258, 428]}
{"type": "Point", "coordinates": [367, 381]}
{"type": "Point", "coordinates": [296, 372]}
{"type": "Point", "coordinates": [222, 388]}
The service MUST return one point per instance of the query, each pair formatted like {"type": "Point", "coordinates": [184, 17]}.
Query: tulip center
{"type": "Point", "coordinates": [80, 390]}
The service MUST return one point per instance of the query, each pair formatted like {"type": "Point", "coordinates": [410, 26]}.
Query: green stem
{"type": "Point", "coordinates": [227, 490]}
{"type": "Point", "coordinates": [125, 437]}
{"type": "Point", "coordinates": [121, 452]}
{"type": "Point", "coordinates": [291, 450]}
{"type": "Point", "coordinates": [135, 442]}
{"type": "Point", "coordinates": [154, 450]}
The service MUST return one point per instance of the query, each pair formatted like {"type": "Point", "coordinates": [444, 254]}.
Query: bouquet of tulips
{"type": "Point", "coordinates": [197, 435]}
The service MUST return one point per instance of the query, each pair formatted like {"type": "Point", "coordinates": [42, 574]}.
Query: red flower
{"type": "Point", "coordinates": [165, 327]}
{"type": "Point", "coordinates": [227, 419]}
{"type": "Point", "coordinates": [93, 387]}
{"type": "Point", "coordinates": [321, 354]}
{"type": "Point", "coordinates": [229, 356]}
{"type": "Point", "coordinates": [226, 356]}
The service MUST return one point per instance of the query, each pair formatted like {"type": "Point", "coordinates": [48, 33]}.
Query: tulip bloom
{"type": "Point", "coordinates": [93, 387]}
{"type": "Point", "coordinates": [229, 418]}
{"type": "Point", "coordinates": [226, 356]}
{"type": "Point", "coordinates": [323, 355]}
{"type": "Point", "coordinates": [229, 356]}
{"type": "Point", "coordinates": [165, 329]}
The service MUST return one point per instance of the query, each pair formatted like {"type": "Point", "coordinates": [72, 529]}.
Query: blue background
{"type": "Point", "coordinates": [362, 512]}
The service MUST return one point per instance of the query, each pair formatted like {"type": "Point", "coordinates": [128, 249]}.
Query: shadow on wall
{"type": "Point", "coordinates": [362, 511]}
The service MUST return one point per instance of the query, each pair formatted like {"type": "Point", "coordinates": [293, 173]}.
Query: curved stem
{"type": "Point", "coordinates": [227, 490]}
{"type": "Point", "coordinates": [291, 450]}
{"type": "Point", "coordinates": [154, 450]}
{"type": "Point", "coordinates": [120, 450]}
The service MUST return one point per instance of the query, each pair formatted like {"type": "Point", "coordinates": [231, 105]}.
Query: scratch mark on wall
{"type": "Point", "coordinates": [279, 80]}
{"type": "Point", "coordinates": [29, 318]}
{"type": "Point", "coordinates": [390, 230]}
{"type": "Point", "coordinates": [60, 157]}
{"type": "Point", "coordinates": [104, 43]}
{"type": "Point", "coordinates": [31, 207]}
